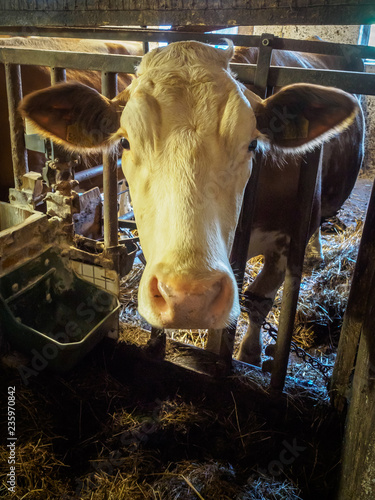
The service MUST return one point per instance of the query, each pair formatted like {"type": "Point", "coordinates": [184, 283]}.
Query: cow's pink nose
{"type": "Point", "coordinates": [192, 304]}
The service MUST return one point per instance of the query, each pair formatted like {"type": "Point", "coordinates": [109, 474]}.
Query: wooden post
{"type": "Point", "coordinates": [355, 310]}
{"type": "Point", "coordinates": [358, 460]}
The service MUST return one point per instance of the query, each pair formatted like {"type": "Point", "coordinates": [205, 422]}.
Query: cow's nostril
{"type": "Point", "coordinates": [222, 296]}
{"type": "Point", "coordinates": [157, 295]}
{"type": "Point", "coordinates": [181, 303]}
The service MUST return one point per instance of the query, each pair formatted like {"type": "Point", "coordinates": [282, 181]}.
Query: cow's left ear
{"type": "Point", "coordinates": [301, 115]}
{"type": "Point", "coordinates": [74, 115]}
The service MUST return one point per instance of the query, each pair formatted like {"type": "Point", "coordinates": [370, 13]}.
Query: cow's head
{"type": "Point", "coordinates": [188, 131]}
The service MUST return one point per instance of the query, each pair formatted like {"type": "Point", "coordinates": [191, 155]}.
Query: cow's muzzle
{"type": "Point", "coordinates": [185, 303]}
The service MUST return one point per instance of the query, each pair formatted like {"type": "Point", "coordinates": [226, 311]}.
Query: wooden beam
{"type": "Point", "coordinates": [356, 310]}
{"type": "Point", "coordinates": [185, 12]}
{"type": "Point", "coordinates": [358, 461]}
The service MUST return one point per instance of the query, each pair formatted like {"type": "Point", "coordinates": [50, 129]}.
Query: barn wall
{"type": "Point", "coordinates": [337, 34]}
{"type": "Point", "coordinates": [370, 129]}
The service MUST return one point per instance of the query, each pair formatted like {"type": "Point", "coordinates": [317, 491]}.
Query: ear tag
{"type": "Point", "coordinates": [76, 135]}
{"type": "Point", "coordinates": [296, 130]}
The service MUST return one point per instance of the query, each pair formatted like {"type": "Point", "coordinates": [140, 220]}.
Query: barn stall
{"type": "Point", "coordinates": [126, 423]}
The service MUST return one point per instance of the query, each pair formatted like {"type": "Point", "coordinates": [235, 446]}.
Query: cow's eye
{"type": "Point", "coordinates": [253, 145]}
{"type": "Point", "coordinates": [125, 143]}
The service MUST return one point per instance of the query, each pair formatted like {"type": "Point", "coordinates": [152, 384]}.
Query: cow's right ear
{"type": "Point", "coordinates": [73, 115]}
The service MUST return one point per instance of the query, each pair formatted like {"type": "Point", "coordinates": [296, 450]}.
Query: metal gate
{"type": "Point", "coordinates": [263, 76]}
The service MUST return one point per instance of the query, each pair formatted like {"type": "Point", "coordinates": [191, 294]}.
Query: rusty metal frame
{"type": "Point", "coordinates": [354, 82]}
{"type": "Point", "coordinates": [263, 75]}
{"type": "Point", "coordinates": [169, 36]}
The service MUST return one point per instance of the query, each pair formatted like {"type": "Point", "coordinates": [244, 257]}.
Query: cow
{"type": "Point", "coordinates": [188, 130]}
{"type": "Point", "coordinates": [38, 77]}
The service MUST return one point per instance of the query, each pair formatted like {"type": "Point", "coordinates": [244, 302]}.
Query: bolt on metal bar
{"type": "Point", "coordinates": [263, 63]}
{"type": "Point", "coordinates": [58, 75]}
{"type": "Point", "coordinates": [109, 89]}
{"type": "Point", "coordinates": [14, 95]}
{"type": "Point", "coordinates": [306, 190]}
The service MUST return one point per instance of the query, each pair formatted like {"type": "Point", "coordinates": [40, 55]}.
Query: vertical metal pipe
{"type": "Point", "coordinates": [58, 75]}
{"type": "Point", "coordinates": [146, 47]}
{"type": "Point", "coordinates": [221, 341]}
{"type": "Point", "coordinates": [109, 89]}
{"type": "Point", "coordinates": [14, 94]}
{"type": "Point", "coordinates": [306, 190]}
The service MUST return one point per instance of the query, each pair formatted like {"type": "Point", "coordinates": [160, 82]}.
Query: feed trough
{"type": "Point", "coordinates": [47, 311]}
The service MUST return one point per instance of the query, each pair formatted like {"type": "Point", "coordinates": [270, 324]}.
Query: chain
{"type": "Point", "coordinates": [301, 353]}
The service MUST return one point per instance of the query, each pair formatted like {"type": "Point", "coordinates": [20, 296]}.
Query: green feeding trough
{"type": "Point", "coordinates": [49, 312]}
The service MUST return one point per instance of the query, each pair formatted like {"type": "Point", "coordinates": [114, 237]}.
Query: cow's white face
{"type": "Point", "coordinates": [189, 128]}
{"type": "Point", "coordinates": [186, 126]}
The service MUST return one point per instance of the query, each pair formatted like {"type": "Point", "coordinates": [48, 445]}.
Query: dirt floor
{"type": "Point", "coordinates": [123, 425]}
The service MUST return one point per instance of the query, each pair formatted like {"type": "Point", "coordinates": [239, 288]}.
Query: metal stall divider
{"type": "Point", "coordinates": [276, 76]}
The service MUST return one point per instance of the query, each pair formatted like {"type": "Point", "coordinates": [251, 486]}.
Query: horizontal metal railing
{"type": "Point", "coordinates": [169, 36]}
{"type": "Point", "coordinates": [354, 82]}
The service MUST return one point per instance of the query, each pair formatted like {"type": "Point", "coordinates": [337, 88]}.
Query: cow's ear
{"type": "Point", "coordinates": [74, 115]}
{"type": "Point", "coordinates": [302, 115]}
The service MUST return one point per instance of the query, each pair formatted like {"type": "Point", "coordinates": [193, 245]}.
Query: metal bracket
{"type": "Point", "coordinates": [263, 63]}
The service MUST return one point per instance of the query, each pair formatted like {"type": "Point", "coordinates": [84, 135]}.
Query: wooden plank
{"type": "Point", "coordinates": [358, 462]}
{"type": "Point", "coordinates": [134, 13]}
{"type": "Point", "coordinates": [356, 310]}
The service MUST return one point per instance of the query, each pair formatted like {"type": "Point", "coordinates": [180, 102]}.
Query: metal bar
{"type": "Point", "coordinates": [222, 341]}
{"type": "Point", "coordinates": [306, 190]}
{"type": "Point", "coordinates": [148, 35]}
{"type": "Point", "coordinates": [114, 63]}
{"type": "Point", "coordinates": [263, 63]}
{"type": "Point", "coordinates": [356, 310]}
{"type": "Point", "coordinates": [146, 47]}
{"type": "Point", "coordinates": [17, 131]}
{"type": "Point", "coordinates": [57, 75]}
{"type": "Point", "coordinates": [351, 81]}
{"type": "Point", "coordinates": [327, 48]}
{"type": "Point", "coordinates": [90, 173]}
{"type": "Point", "coordinates": [109, 89]}
{"type": "Point", "coordinates": [121, 34]}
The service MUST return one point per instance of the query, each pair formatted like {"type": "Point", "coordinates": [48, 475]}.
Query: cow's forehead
{"type": "Point", "coordinates": [185, 54]}
{"type": "Point", "coordinates": [201, 101]}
